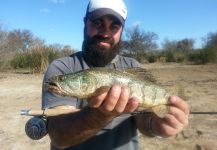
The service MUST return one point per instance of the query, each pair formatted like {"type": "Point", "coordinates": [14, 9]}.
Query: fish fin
{"type": "Point", "coordinates": [141, 73]}
{"type": "Point", "coordinates": [160, 110]}
{"type": "Point", "coordinates": [101, 90]}
{"type": "Point", "coordinates": [178, 90]}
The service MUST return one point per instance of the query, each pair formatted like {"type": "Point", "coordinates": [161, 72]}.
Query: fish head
{"type": "Point", "coordinates": [74, 85]}
{"type": "Point", "coordinates": [62, 85]}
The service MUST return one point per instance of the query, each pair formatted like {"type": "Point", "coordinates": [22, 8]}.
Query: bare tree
{"type": "Point", "coordinates": [37, 43]}
{"type": "Point", "coordinates": [3, 47]}
{"type": "Point", "coordinates": [20, 40]}
{"type": "Point", "coordinates": [67, 50]}
{"type": "Point", "coordinates": [183, 45]}
{"type": "Point", "coordinates": [138, 42]}
{"type": "Point", "coordinates": [211, 40]}
{"type": "Point", "coordinates": [3, 37]}
{"type": "Point", "coordinates": [169, 45]}
{"type": "Point", "coordinates": [210, 47]}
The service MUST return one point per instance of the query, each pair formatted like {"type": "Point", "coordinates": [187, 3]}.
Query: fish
{"type": "Point", "coordinates": [91, 82]}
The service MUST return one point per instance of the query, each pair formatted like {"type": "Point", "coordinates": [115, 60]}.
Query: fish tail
{"type": "Point", "coordinates": [179, 91]}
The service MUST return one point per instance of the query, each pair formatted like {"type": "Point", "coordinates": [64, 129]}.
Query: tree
{"type": "Point", "coordinates": [184, 45]}
{"type": "Point", "coordinates": [211, 40]}
{"type": "Point", "coordinates": [138, 42]}
{"type": "Point", "coordinates": [3, 38]}
{"type": "Point", "coordinates": [169, 45]}
{"type": "Point", "coordinates": [3, 47]}
{"type": "Point", "coordinates": [20, 40]}
{"type": "Point", "coordinates": [176, 51]}
{"type": "Point", "coordinates": [210, 47]}
{"type": "Point", "coordinates": [67, 50]}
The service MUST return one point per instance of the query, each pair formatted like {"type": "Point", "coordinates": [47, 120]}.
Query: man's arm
{"type": "Point", "coordinates": [69, 130]}
{"type": "Point", "coordinates": [170, 125]}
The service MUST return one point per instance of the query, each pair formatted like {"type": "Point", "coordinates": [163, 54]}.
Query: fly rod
{"type": "Point", "coordinates": [57, 112]}
{"type": "Point", "coordinates": [36, 127]}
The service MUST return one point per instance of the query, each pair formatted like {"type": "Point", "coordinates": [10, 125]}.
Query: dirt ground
{"type": "Point", "coordinates": [19, 90]}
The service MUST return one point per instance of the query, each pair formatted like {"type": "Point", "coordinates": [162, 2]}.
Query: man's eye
{"type": "Point", "coordinates": [115, 27]}
{"type": "Point", "coordinates": [97, 23]}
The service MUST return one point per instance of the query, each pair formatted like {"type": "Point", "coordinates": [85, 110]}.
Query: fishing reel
{"type": "Point", "coordinates": [36, 128]}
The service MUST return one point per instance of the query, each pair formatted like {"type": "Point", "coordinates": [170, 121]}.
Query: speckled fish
{"type": "Point", "coordinates": [86, 83]}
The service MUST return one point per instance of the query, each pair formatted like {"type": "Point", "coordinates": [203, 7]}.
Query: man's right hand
{"type": "Point", "coordinates": [114, 101]}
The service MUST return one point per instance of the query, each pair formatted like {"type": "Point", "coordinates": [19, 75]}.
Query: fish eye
{"type": "Point", "coordinates": [61, 78]}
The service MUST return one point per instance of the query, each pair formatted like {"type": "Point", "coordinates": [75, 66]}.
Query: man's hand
{"type": "Point", "coordinates": [175, 121]}
{"type": "Point", "coordinates": [114, 101]}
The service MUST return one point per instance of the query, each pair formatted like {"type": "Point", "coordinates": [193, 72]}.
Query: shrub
{"type": "Point", "coordinates": [203, 56]}
{"type": "Point", "coordinates": [35, 60]}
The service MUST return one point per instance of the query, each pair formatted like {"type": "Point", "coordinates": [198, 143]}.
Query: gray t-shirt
{"type": "Point", "coordinates": [121, 133]}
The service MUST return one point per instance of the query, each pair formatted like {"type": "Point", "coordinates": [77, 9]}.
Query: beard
{"type": "Point", "coordinates": [96, 55]}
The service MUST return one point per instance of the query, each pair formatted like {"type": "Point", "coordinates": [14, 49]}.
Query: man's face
{"type": "Point", "coordinates": [102, 40]}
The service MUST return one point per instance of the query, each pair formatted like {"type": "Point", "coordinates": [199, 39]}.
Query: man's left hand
{"type": "Point", "coordinates": [175, 121]}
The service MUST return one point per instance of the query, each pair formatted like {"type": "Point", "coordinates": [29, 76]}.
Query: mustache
{"type": "Point", "coordinates": [100, 38]}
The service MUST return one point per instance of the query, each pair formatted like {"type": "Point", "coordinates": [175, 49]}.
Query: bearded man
{"type": "Point", "coordinates": [104, 122]}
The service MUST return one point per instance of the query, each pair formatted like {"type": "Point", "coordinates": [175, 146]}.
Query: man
{"type": "Point", "coordinates": [104, 122]}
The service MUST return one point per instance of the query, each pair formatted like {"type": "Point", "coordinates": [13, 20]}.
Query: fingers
{"type": "Point", "coordinates": [162, 128]}
{"type": "Point", "coordinates": [116, 100]}
{"type": "Point", "coordinates": [167, 126]}
{"type": "Point", "coordinates": [131, 105]}
{"type": "Point", "coordinates": [175, 120]}
{"type": "Point", "coordinates": [123, 100]}
{"type": "Point", "coordinates": [96, 101]}
{"type": "Point", "coordinates": [112, 98]}
{"type": "Point", "coordinates": [179, 115]}
{"type": "Point", "coordinates": [179, 103]}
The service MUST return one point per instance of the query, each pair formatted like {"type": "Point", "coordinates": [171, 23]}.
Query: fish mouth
{"type": "Point", "coordinates": [52, 87]}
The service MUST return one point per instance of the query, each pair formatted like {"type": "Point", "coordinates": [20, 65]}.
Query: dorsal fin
{"type": "Point", "coordinates": [141, 73]}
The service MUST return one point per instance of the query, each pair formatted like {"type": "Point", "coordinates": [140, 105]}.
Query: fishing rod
{"type": "Point", "coordinates": [57, 112]}
{"type": "Point", "coordinates": [191, 113]}
{"type": "Point", "coordinates": [203, 113]}
{"type": "Point", "coordinates": [36, 127]}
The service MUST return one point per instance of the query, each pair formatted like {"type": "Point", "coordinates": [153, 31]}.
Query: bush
{"type": "Point", "coordinates": [169, 56]}
{"type": "Point", "coordinates": [35, 60]}
{"type": "Point", "coordinates": [203, 56]}
{"type": "Point", "coordinates": [151, 57]}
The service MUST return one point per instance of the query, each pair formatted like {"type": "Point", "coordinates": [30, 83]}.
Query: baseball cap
{"type": "Point", "coordinates": [99, 8]}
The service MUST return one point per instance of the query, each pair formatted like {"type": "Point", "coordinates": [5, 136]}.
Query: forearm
{"type": "Point", "coordinates": [70, 130]}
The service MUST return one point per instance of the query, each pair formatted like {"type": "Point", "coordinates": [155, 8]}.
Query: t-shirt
{"type": "Point", "coordinates": [120, 133]}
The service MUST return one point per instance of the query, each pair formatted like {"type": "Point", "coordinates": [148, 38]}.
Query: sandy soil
{"type": "Point", "coordinates": [199, 83]}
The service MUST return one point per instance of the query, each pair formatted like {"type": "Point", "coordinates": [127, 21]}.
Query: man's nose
{"type": "Point", "coordinates": [105, 32]}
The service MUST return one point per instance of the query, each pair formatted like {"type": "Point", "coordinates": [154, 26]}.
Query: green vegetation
{"type": "Point", "coordinates": [20, 49]}
{"type": "Point", "coordinates": [38, 59]}
{"type": "Point", "coordinates": [35, 60]}
{"type": "Point", "coordinates": [142, 46]}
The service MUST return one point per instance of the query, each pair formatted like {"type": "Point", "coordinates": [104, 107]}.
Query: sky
{"type": "Point", "coordinates": [61, 21]}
